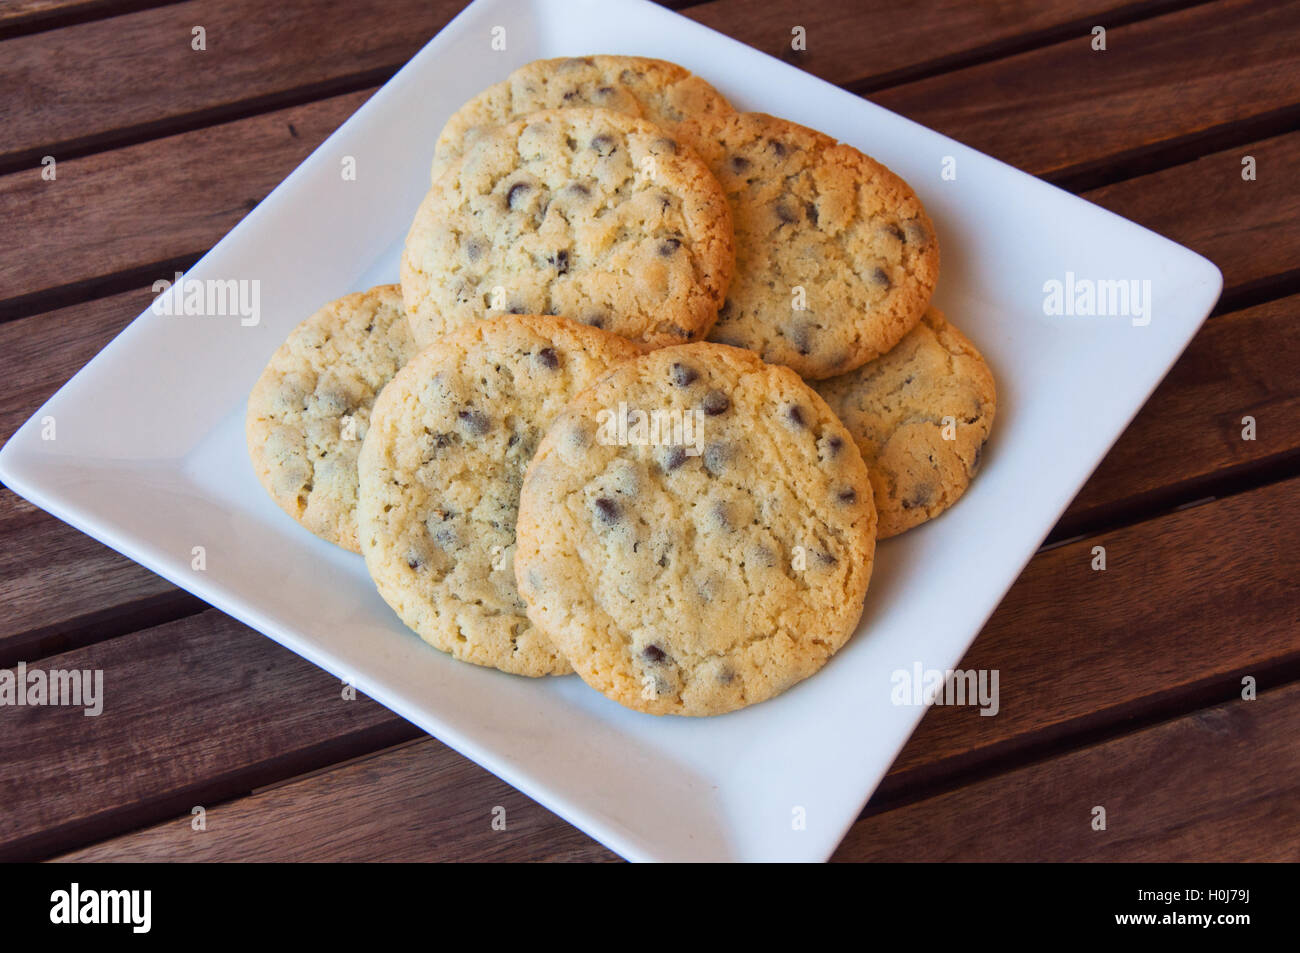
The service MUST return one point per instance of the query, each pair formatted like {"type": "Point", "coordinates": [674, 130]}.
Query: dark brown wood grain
{"type": "Point", "coordinates": [1189, 434]}
{"type": "Point", "coordinates": [259, 55]}
{"type": "Point", "coordinates": [1066, 108]}
{"type": "Point", "coordinates": [194, 712]}
{"type": "Point", "coordinates": [868, 45]}
{"type": "Point", "coordinates": [1218, 784]}
{"type": "Point", "coordinates": [60, 588]}
{"type": "Point", "coordinates": [1062, 640]}
{"type": "Point", "coordinates": [114, 211]}
{"type": "Point", "coordinates": [18, 17]}
{"type": "Point", "coordinates": [262, 54]}
{"type": "Point", "coordinates": [1250, 228]}
{"type": "Point", "coordinates": [416, 803]}
{"type": "Point", "coordinates": [1187, 601]}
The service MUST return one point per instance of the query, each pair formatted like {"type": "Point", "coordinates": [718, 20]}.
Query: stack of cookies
{"type": "Point", "coordinates": [657, 376]}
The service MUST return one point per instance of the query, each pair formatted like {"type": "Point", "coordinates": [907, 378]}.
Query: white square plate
{"type": "Point", "coordinates": [150, 456]}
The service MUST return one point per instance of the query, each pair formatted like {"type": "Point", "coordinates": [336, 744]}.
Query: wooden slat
{"type": "Point", "coordinates": [1249, 228]}
{"type": "Point", "coordinates": [194, 712]}
{"type": "Point", "coordinates": [1189, 434]}
{"type": "Point", "coordinates": [1068, 108]}
{"type": "Point", "coordinates": [30, 16]}
{"type": "Point", "coordinates": [1186, 602]}
{"type": "Point", "coordinates": [58, 586]}
{"type": "Point", "coordinates": [1219, 784]}
{"type": "Point", "coordinates": [417, 803]}
{"type": "Point", "coordinates": [115, 211]}
{"type": "Point", "coordinates": [259, 53]}
{"type": "Point", "coordinates": [1063, 641]}
{"type": "Point", "coordinates": [856, 44]}
{"type": "Point", "coordinates": [39, 354]}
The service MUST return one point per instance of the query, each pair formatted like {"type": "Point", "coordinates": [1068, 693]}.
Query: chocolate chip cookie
{"type": "Point", "coordinates": [440, 474]}
{"type": "Point", "coordinates": [664, 93]}
{"type": "Point", "coordinates": [920, 415]}
{"type": "Point", "coordinates": [696, 532]}
{"type": "Point", "coordinates": [835, 256]}
{"type": "Point", "coordinates": [310, 409]}
{"type": "Point", "coordinates": [585, 213]}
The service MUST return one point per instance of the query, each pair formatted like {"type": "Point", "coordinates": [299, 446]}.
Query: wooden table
{"type": "Point", "coordinates": [1120, 688]}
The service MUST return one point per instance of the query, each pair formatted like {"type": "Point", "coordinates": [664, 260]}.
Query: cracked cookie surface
{"type": "Point", "coordinates": [702, 570]}
{"type": "Point", "coordinates": [895, 408]}
{"type": "Point", "coordinates": [664, 93]}
{"type": "Point", "coordinates": [310, 409]}
{"type": "Point", "coordinates": [440, 473]}
{"type": "Point", "coordinates": [584, 213]}
{"type": "Point", "coordinates": [836, 258]}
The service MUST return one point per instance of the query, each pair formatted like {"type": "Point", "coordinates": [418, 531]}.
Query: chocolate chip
{"type": "Point", "coordinates": [739, 164]}
{"type": "Point", "coordinates": [801, 337]}
{"type": "Point", "coordinates": [892, 229]}
{"type": "Point", "coordinates": [684, 376]}
{"type": "Point", "coordinates": [674, 457]}
{"type": "Point", "coordinates": [548, 358]}
{"type": "Point", "coordinates": [778, 147]}
{"type": "Point", "coordinates": [835, 444]}
{"type": "Point", "coordinates": [653, 653]}
{"type": "Point", "coordinates": [916, 233]}
{"type": "Point", "coordinates": [826, 558]}
{"type": "Point", "coordinates": [786, 216]}
{"type": "Point", "coordinates": [848, 495]}
{"type": "Point", "coordinates": [715, 402]}
{"type": "Point", "coordinates": [794, 413]}
{"type": "Point", "coordinates": [604, 146]}
{"type": "Point", "coordinates": [811, 209]}
{"type": "Point", "coordinates": [664, 144]}
{"type": "Point", "coordinates": [716, 456]}
{"type": "Point", "coordinates": [474, 248]}
{"type": "Point", "coordinates": [577, 188]}
{"type": "Point", "coordinates": [560, 261]}
{"type": "Point", "coordinates": [721, 516]}
{"type": "Point", "coordinates": [605, 91]}
{"type": "Point", "coordinates": [879, 277]}
{"type": "Point", "coordinates": [607, 510]}
{"type": "Point", "coordinates": [413, 562]}
{"type": "Point", "coordinates": [594, 320]}
{"type": "Point", "coordinates": [518, 309]}
{"type": "Point", "coordinates": [370, 327]}
{"type": "Point", "coordinates": [475, 421]}
{"type": "Point", "coordinates": [726, 676]}
{"type": "Point", "coordinates": [517, 190]}
{"type": "Point", "coordinates": [668, 246]}
{"type": "Point", "coordinates": [571, 95]}
{"type": "Point", "coordinates": [921, 496]}
{"type": "Point", "coordinates": [677, 331]}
